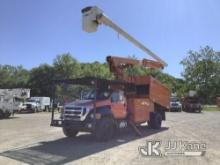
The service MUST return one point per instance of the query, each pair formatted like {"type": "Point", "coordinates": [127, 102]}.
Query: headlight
{"type": "Point", "coordinates": [84, 111]}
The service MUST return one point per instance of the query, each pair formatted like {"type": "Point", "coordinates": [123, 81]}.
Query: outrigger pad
{"type": "Point", "coordinates": [136, 130]}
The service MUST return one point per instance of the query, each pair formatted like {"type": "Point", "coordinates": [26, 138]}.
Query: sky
{"type": "Point", "coordinates": [34, 32]}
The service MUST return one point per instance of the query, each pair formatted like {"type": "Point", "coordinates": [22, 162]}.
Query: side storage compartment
{"type": "Point", "coordinates": [139, 109]}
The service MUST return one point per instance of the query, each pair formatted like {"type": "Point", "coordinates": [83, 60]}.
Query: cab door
{"type": "Point", "coordinates": [118, 105]}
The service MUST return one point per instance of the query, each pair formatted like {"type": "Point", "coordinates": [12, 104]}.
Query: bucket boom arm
{"type": "Point", "coordinates": [93, 17]}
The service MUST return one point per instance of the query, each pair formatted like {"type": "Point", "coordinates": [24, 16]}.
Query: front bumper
{"type": "Point", "coordinates": [86, 126]}
{"type": "Point", "coordinates": [194, 108]}
{"type": "Point", "coordinates": [175, 108]}
{"type": "Point", "coordinates": [26, 110]}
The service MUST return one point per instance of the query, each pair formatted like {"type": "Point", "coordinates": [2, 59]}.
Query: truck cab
{"type": "Point", "coordinates": [192, 104]}
{"type": "Point", "coordinates": [175, 104]}
{"type": "Point", "coordinates": [109, 103]}
{"type": "Point", "coordinates": [31, 105]}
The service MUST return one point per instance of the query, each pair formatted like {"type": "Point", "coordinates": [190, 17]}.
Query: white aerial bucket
{"type": "Point", "coordinates": [89, 15]}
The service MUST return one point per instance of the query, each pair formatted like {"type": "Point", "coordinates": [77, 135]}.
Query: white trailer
{"type": "Point", "coordinates": [12, 100]}
{"type": "Point", "coordinates": [6, 107]}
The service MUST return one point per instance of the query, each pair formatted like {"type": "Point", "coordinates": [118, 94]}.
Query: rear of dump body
{"type": "Point", "coordinates": [150, 94]}
{"type": "Point", "coordinates": [155, 91]}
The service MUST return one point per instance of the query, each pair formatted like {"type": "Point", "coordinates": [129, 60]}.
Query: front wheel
{"type": "Point", "coordinates": [35, 110]}
{"type": "Point", "coordinates": [105, 129]}
{"type": "Point", "coordinates": [7, 114]}
{"type": "Point", "coordinates": [69, 132]}
{"type": "Point", "coordinates": [155, 120]}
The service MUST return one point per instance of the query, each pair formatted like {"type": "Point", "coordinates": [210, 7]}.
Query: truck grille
{"type": "Point", "coordinates": [174, 104]}
{"type": "Point", "coordinates": [28, 106]}
{"type": "Point", "coordinates": [73, 113]}
{"type": "Point", "coordinates": [73, 108]}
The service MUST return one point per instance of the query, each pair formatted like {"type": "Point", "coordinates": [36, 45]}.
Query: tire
{"type": "Point", "coordinates": [1, 114]}
{"type": "Point", "coordinates": [7, 114]}
{"type": "Point", "coordinates": [105, 129]}
{"type": "Point", "coordinates": [46, 109]}
{"type": "Point", "coordinates": [70, 132]}
{"type": "Point", "coordinates": [35, 110]}
{"type": "Point", "coordinates": [155, 120]}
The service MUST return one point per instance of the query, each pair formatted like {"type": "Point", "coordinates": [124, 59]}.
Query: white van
{"type": "Point", "coordinates": [44, 102]}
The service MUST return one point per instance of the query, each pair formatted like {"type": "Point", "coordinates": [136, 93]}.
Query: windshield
{"type": "Point", "coordinates": [31, 100]}
{"type": "Point", "coordinates": [175, 100]}
{"type": "Point", "coordinates": [193, 100]}
{"type": "Point", "coordinates": [101, 95]}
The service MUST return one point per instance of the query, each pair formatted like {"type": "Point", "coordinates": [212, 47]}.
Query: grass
{"type": "Point", "coordinates": [210, 108]}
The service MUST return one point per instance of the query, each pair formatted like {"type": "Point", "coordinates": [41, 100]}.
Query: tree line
{"type": "Point", "coordinates": [201, 73]}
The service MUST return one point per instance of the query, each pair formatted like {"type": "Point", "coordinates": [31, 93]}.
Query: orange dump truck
{"type": "Point", "coordinates": [115, 104]}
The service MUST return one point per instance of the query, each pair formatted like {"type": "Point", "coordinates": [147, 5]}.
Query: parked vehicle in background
{"type": "Point", "coordinates": [175, 104]}
{"type": "Point", "coordinates": [36, 104]}
{"type": "Point", "coordinates": [44, 102]}
{"type": "Point", "coordinates": [192, 104]}
{"type": "Point", "coordinates": [11, 100]}
{"type": "Point", "coordinates": [31, 105]}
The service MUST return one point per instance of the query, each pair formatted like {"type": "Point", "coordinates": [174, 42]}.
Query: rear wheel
{"type": "Point", "coordinates": [69, 132]}
{"type": "Point", "coordinates": [155, 120]}
{"type": "Point", "coordinates": [46, 109]}
{"type": "Point", "coordinates": [105, 129]}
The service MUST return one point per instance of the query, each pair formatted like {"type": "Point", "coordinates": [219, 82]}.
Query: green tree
{"type": "Point", "coordinates": [13, 77]}
{"type": "Point", "coordinates": [40, 81]}
{"type": "Point", "coordinates": [66, 66]}
{"type": "Point", "coordinates": [202, 73]}
{"type": "Point", "coordinates": [96, 69]}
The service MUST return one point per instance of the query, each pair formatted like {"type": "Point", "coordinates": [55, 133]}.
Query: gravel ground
{"type": "Point", "coordinates": [28, 139]}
